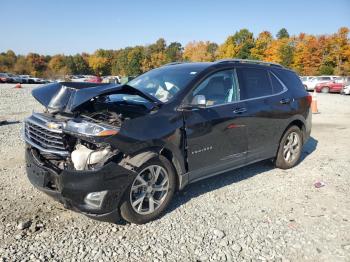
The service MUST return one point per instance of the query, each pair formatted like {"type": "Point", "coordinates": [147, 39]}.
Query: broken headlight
{"type": "Point", "coordinates": [89, 129]}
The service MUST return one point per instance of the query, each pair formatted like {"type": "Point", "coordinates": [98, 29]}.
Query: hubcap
{"type": "Point", "coordinates": [149, 189]}
{"type": "Point", "coordinates": [291, 147]}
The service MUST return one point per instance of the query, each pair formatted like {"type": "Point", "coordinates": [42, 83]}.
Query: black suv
{"type": "Point", "coordinates": [109, 150]}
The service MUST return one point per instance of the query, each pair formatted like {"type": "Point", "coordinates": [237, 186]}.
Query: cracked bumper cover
{"type": "Point", "coordinates": [70, 187]}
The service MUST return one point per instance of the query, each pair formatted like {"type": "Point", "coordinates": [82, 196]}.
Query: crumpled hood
{"type": "Point", "coordinates": [68, 96]}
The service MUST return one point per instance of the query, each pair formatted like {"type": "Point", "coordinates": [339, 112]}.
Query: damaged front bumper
{"type": "Point", "coordinates": [95, 193]}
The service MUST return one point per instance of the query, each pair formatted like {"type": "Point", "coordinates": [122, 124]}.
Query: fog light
{"type": "Point", "coordinates": [95, 199]}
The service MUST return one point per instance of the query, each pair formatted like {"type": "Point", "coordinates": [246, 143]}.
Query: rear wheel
{"type": "Point", "coordinates": [325, 89]}
{"type": "Point", "coordinates": [150, 193]}
{"type": "Point", "coordinates": [290, 147]}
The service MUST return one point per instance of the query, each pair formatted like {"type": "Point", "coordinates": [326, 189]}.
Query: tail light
{"type": "Point", "coordinates": [309, 99]}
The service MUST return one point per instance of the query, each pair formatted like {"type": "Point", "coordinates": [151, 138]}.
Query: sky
{"type": "Point", "coordinates": [75, 26]}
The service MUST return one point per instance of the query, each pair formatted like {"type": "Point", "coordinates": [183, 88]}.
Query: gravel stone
{"type": "Point", "coordinates": [24, 225]}
{"type": "Point", "coordinates": [236, 247]}
{"type": "Point", "coordinates": [218, 233]}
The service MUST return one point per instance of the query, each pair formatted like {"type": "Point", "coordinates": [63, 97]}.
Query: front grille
{"type": "Point", "coordinates": [40, 136]}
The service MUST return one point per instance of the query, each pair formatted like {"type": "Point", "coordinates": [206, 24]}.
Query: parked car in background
{"type": "Point", "coordinates": [38, 80]}
{"type": "Point", "coordinates": [306, 78]}
{"type": "Point", "coordinates": [109, 150]}
{"type": "Point", "coordinates": [15, 78]}
{"type": "Point", "coordinates": [329, 87]}
{"type": "Point", "coordinates": [343, 79]}
{"type": "Point", "coordinates": [111, 79]}
{"type": "Point", "coordinates": [27, 79]}
{"type": "Point", "coordinates": [310, 84]}
{"type": "Point", "coordinates": [346, 89]}
{"type": "Point", "coordinates": [78, 78]}
{"type": "Point", "coordinates": [94, 79]}
{"type": "Point", "coordinates": [126, 79]}
{"type": "Point", "coordinates": [5, 78]}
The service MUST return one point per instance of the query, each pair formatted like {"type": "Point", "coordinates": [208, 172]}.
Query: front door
{"type": "Point", "coordinates": [216, 134]}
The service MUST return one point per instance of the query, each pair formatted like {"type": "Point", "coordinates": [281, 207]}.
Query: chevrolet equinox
{"type": "Point", "coordinates": [121, 151]}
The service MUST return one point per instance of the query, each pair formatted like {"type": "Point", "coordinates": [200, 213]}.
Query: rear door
{"type": "Point", "coordinates": [268, 107]}
{"type": "Point", "coordinates": [216, 134]}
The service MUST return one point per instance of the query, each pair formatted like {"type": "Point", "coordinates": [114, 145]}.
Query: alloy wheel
{"type": "Point", "coordinates": [291, 147]}
{"type": "Point", "coordinates": [149, 189]}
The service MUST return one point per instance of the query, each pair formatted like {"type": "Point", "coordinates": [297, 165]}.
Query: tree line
{"type": "Point", "coordinates": [305, 53]}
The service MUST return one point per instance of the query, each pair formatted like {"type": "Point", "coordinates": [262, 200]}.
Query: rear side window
{"type": "Point", "coordinates": [289, 78]}
{"type": "Point", "coordinates": [253, 83]}
{"type": "Point", "coordinates": [276, 84]}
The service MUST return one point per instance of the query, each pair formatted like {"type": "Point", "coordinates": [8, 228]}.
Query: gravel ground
{"type": "Point", "coordinates": [255, 213]}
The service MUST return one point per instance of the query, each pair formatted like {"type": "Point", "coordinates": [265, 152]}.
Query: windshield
{"type": "Point", "coordinates": [165, 82]}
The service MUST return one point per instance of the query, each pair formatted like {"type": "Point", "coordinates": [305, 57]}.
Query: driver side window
{"type": "Point", "coordinates": [219, 88]}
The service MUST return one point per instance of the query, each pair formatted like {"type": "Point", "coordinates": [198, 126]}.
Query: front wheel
{"type": "Point", "coordinates": [325, 90]}
{"type": "Point", "coordinates": [290, 148]}
{"type": "Point", "coordinates": [150, 193]}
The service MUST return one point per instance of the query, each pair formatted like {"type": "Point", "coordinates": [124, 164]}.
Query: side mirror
{"type": "Point", "coordinates": [199, 101]}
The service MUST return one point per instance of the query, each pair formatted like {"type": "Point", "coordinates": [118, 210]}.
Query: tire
{"type": "Point", "coordinates": [140, 215]}
{"type": "Point", "coordinates": [287, 141]}
{"type": "Point", "coordinates": [325, 90]}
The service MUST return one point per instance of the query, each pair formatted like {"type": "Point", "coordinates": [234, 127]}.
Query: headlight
{"type": "Point", "coordinates": [89, 129]}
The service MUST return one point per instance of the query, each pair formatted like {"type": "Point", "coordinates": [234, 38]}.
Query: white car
{"type": "Point", "coordinates": [306, 78]}
{"type": "Point", "coordinates": [310, 84]}
{"type": "Point", "coordinates": [346, 89]}
{"type": "Point", "coordinates": [78, 78]}
{"type": "Point", "coordinates": [27, 79]}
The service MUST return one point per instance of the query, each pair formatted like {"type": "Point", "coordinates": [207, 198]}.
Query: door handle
{"type": "Point", "coordinates": [240, 110]}
{"type": "Point", "coordinates": [285, 101]}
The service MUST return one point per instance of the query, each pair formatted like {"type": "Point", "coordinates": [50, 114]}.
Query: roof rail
{"type": "Point", "coordinates": [172, 63]}
{"type": "Point", "coordinates": [248, 61]}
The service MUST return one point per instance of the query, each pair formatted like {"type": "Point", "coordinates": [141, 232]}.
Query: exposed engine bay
{"type": "Point", "coordinates": [70, 136]}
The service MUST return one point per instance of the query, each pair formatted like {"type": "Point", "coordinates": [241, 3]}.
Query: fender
{"type": "Point", "coordinates": [137, 160]}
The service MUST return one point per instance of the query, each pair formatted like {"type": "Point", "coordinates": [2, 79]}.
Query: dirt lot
{"type": "Point", "coordinates": [254, 213]}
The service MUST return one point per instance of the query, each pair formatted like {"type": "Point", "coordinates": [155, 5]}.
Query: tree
{"type": "Point", "coordinates": [98, 64]}
{"type": "Point", "coordinates": [37, 63]}
{"type": "Point", "coordinates": [283, 33]}
{"type": "Point", "coordinates": [261, 44]}
{"type": "Point", "coordinates": [237, 46]}
{"type": "Point", "coordinates": [280, 51]}
{"type": "Point", "coordinates": [340, 51]}
{"type": "Point", "coordinates": [174, 52]}
{"type": "Point", "coordinates": [21, 66]}
{"type": "Point", "coordinates": [199, 51]}
{"type": "Point", "coordinates": [326, 70]}
{"type": "Point", "coordinates": [135, 57]}
{"type": "Point", "coordinates": [156, 55]}
{"type": "Point", "coordinates": [80, 65]}
{"type": "Point", "coordinates": [308, 55]}
{"type": "Point", "coordinates": [7, 60]}
{"type": "Point", "coordinates": [227, 49]}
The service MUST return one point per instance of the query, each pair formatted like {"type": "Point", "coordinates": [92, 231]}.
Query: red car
{"type": "Point", "coordinates": [329, 87]}
{"type": "Point", "coordinates": [94, 79]}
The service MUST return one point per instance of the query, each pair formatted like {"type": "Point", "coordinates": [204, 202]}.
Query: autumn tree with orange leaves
{"type": "Point", "coordinates": [305, 53]}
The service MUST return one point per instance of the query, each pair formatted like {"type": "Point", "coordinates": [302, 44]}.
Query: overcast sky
{"type": "Point", "coordinates": [75, 26]}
